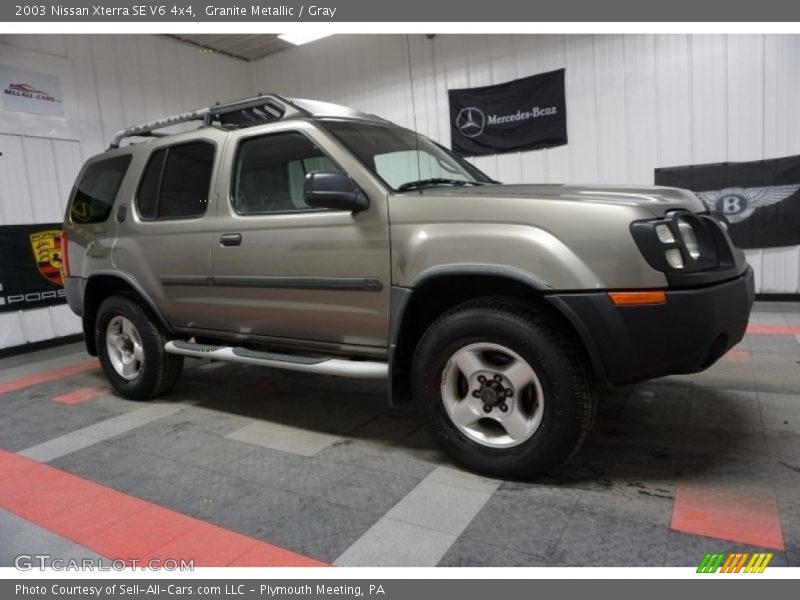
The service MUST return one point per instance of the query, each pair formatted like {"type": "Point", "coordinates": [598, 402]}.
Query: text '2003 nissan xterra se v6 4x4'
{"type": "Point", "coordinates": [303, 235]}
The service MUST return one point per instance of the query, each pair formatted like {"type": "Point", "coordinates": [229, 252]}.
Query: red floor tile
{"type": "Point", "coordinates": [30, 380]}
{"type": "Point", "coordinates": [97, 513]}
{"type": "Point", "coordinates": [195, 544]}
{"type": "Point", "coordinates": [773, 330]}
{"type": "Point", "coordinates": [727, 516]}
{"type": "Point", "coordinates": [119, 526]}
{"type": "Point", "coordinates": [266, 555]}
{"type": "Point", "coordinates": [737, 355]}
{"type": "Point", "coordinates": [137, 535]}
{"type": "Point", "coordinates": [81, 395]}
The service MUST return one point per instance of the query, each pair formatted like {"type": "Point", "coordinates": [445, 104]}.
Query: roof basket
{"type": "Point", "coordinates": [239, 113]}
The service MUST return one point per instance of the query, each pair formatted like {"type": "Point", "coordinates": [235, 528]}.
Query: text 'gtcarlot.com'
{"type": "Point", "coordinates": [28, 562]}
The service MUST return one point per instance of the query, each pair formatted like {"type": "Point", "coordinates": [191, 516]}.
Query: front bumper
{"type": "Point", "coordinates": [687, 334]}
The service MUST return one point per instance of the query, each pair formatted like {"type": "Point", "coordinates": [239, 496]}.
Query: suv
{"type": "Point", "coordinates": [307, 236]}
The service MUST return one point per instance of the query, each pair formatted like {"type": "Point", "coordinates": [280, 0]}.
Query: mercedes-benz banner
{"type": "Point", "coordinates": [523, 114]}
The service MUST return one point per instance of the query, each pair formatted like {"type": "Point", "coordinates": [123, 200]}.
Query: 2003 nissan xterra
{"type": "Point", "coordinates": [307, 236]}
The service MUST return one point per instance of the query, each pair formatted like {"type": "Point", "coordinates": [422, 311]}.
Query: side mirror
{"type": "Point", "coordinates": [333, 189]}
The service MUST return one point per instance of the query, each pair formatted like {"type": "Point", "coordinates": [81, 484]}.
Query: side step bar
{"type": "Point", "coordinates": [359, 369]}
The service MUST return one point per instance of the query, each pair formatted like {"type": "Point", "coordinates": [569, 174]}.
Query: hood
{"type": "Point", "coordinates": [656, 199]}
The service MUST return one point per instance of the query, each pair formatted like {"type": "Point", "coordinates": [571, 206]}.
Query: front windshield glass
{"type": "Point", "coordinates": [403, 159]}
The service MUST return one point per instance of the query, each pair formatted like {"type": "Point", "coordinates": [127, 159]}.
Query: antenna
{"type": "Point", "coordinates": [413, 106]}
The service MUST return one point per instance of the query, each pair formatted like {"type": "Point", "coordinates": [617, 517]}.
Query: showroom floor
{"type": "Point", "coordinates": [247, 466]}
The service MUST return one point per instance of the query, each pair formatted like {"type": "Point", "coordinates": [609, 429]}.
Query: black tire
{"type": "Point", "coordinates": [567, 408]}
{"type": "Point", "coordinates": [158, 371]}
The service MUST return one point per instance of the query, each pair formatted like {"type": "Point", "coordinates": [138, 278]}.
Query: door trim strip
{"type": "Point", "coordinates": [343, 284]}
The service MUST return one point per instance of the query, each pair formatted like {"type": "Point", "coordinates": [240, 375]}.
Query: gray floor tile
{"type": "Point", "coordinates": [370, 491]}
{"type": "Point", "coordinates": [384, 457]}
{"type": "Point", "coordinates": [30, 539]}
{"type": "Point", "coordinates": [10, 524]}
{"type": "Point", "coordinates": [527, 527]}
{"type": "Point", "coordinates": [780, 412]}
{"type": "Point", "coordinates": [318, 529]}
{"type": "Point", "coordinates": [215, 454]}
{"type": "Point", "coordinates": [466, 552]}
{"type": "Point", "coordinates": [441, 507]}
{"type": "Point", "coordinates": [391, 543]}
{"type": "Point", "coordinates": [635, 505]}
{"type": "Point", "coordinates": [599, 540]}
{"type": "Point", "coordinates": [295, 440]}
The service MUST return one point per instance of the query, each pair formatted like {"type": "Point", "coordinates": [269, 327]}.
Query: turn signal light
{"type": "Point", "coordinates": [638, 298]}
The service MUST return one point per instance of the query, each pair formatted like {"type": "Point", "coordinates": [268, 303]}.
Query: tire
{"type": "Point", "coordinates": [130, 346]}
{"type": "Point", "coordinates": [520, 356]}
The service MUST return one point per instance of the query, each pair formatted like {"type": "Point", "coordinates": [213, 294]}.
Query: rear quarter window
{"type": "Point", "coordinates": [175, 184]}
{"type": "Point", "coordinates": [96, 190]}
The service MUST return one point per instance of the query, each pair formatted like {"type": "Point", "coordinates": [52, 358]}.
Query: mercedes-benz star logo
{"type": "Point", "coordinates": [470, 121]}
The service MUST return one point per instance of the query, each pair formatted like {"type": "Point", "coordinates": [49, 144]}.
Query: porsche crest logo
{"type": "Point", "coordinates": [46, 246]}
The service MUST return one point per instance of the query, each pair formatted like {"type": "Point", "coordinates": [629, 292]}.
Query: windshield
{"type": "Point", "coordinates": [404, 160]}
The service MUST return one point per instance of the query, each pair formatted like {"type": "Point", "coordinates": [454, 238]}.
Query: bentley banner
{"type": "Point", "coordinates": [30, 266]}
{"type": "Point", "coordinates": [523, 114]}
{"type": "Point", "coordinates": [759, 199]}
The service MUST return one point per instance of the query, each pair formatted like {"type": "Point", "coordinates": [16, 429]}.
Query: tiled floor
{"type": "Point", "coordinates": [323, 468]}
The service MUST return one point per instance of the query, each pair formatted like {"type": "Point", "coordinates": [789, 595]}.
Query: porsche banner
{"type": "Point", "coordinates": [523, 114]}
{"type": "Point", "coordinates": [760, 200]}
{"type": "Point", "coordinates": [30, 266]}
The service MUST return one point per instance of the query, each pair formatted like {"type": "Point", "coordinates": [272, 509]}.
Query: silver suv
{"type": "Point", "coordinates": [307, 236]}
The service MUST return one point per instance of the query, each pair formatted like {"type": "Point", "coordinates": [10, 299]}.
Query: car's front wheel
{"type": "Point", "coordinates": [130, 345]}
{"type": "Point", "coordinates": [501, 389]}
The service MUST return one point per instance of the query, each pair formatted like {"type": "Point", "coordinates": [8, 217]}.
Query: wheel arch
{"type": "Point", "coordinates": [101, 285]}
{"type": "Point", "coordinates": [415, 308]}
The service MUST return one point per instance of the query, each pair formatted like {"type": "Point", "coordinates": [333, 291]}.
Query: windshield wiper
{"type": "Point", "coordinates": [434, 181]}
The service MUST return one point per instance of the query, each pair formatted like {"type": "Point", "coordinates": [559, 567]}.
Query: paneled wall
{"type": "Point", "coordinates": [634, 102]}
{"type": "Point", "coordinates": [120, 80]}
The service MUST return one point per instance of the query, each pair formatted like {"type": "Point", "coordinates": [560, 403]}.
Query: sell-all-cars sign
{"type": "Point", "coordinates": [523, 114]}
{"type": "Point", "coordinates": [31, 92]}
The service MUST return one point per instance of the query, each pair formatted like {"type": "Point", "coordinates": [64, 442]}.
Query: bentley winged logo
{"type": "Point", "coordinates": [46, 246]}
{"type": "Point", "coordinates": [738, 204]}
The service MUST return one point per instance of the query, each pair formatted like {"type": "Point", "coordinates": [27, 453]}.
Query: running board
{"type": "Point", "coordinates": [359, 369]}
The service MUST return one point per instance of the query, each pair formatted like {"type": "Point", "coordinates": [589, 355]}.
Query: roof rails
{"type": "Point", "coordinates": [260, 109]}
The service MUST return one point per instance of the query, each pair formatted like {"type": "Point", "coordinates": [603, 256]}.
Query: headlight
{"type": "Point", "coordinates": [689, 238]}
{"type": "Point", "coordinates": [681, 242]}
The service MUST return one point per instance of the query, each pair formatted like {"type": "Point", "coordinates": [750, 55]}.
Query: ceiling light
{"type": "Point", "coordinates": [298, 39]}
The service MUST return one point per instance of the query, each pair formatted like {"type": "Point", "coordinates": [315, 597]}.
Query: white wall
{"type": "Point", "coordinates": [634, 102]}
{"type": "Point", "coordinates": [120, 80]}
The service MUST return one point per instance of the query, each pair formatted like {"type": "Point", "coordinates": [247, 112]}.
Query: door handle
{"type": "Point", "coordinates": [231, 239]}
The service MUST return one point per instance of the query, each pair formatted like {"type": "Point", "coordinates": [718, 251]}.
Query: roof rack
{"type": "Point", "coordinates": [260, 109]}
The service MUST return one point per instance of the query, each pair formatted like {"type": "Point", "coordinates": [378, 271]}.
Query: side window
{"type": "Point", "coordinates": [270, 170]}
{"type": "Point", "coordinates": [175, 182]}
{"type": "Point", "coordinates": [97, 189]}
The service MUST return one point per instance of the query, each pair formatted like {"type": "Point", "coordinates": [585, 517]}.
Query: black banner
{"type": "Point", "coordinates": [30, 266]}
{"type": "Point", "coordinates": [760, 200]}
{"type": "Point", "coordinates": [523, 114]}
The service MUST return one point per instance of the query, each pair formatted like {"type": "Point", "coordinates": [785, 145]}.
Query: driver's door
{"type": "Point", "coordinates": [291, 272]}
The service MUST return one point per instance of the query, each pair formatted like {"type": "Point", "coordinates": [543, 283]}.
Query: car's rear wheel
{"type": "Point", "coordinates": [501, 389]}
{"type": "Point", "coordinates": [130, 345]}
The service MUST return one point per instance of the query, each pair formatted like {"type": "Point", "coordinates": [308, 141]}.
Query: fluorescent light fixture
{"type": "Point", "coordinates": [298, 39]}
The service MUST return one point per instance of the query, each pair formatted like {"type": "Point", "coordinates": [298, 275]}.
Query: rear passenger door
{"type": "Point", "coordinates": [166, 238]}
